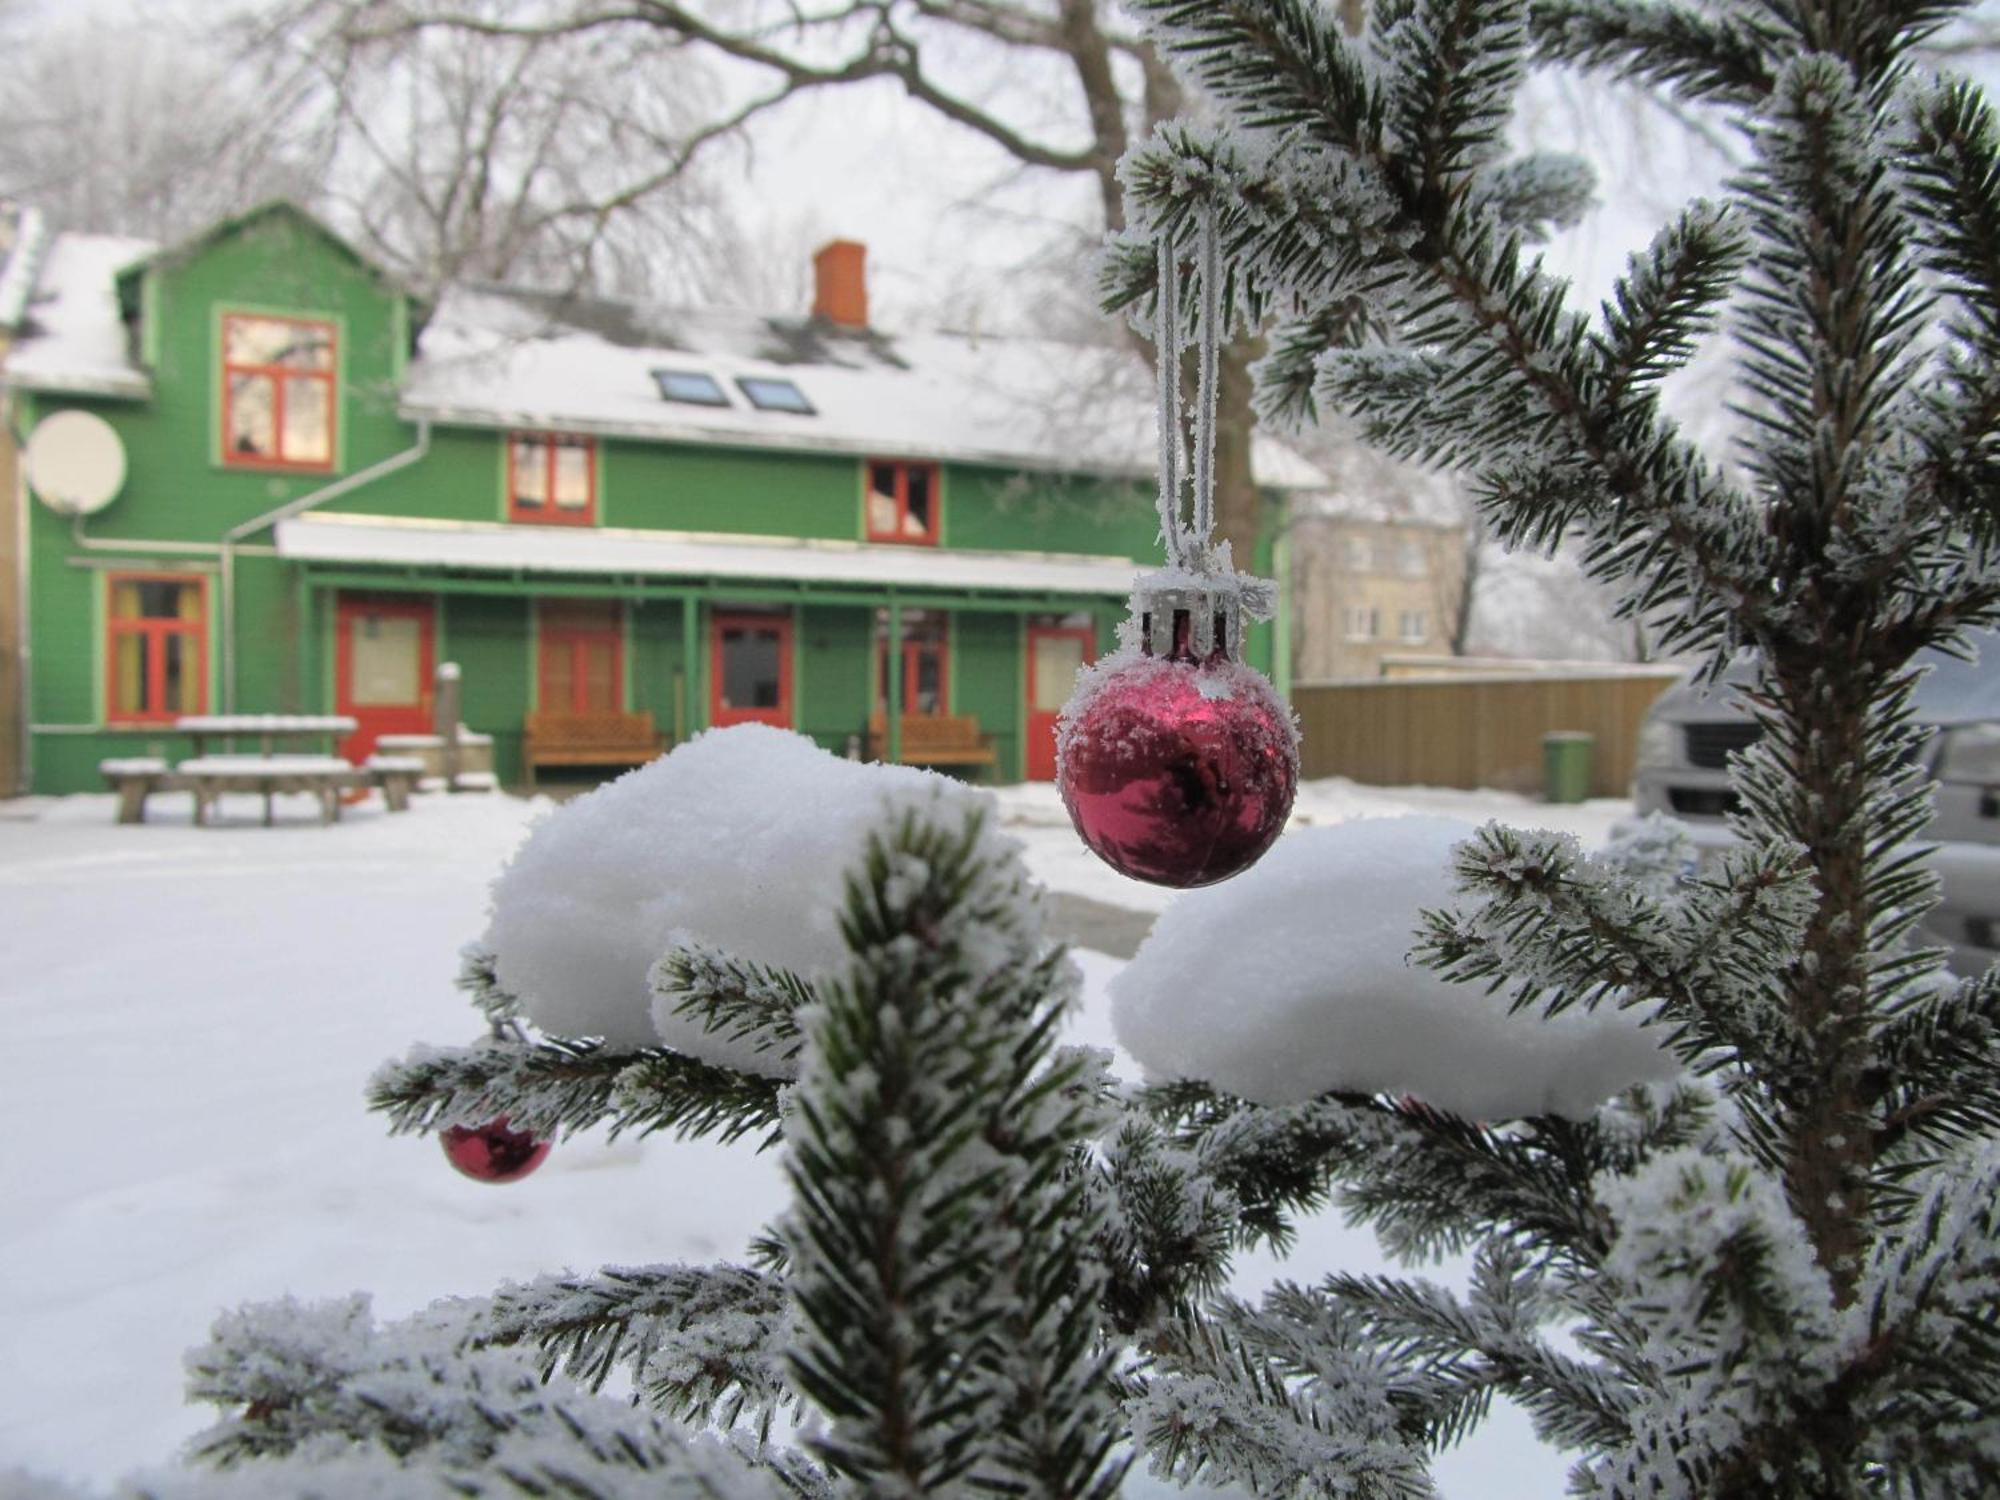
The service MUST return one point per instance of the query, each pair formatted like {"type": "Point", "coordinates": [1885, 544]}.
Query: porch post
{"type": "Point", "coordinates": [691, 660]}
{"type": "Point", "coordinates": [305, 625]}
{"type": "Point", "coordinates": [893, 687]}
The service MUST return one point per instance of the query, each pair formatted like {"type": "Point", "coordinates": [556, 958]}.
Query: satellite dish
{"type": "Point", "coordinates": [75, 462]}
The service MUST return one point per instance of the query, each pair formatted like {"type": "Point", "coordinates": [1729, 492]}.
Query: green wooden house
{"type": "Point", "coordinates": [707, 516]}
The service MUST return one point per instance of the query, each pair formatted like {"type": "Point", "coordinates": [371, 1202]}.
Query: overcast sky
{"type": "Point", "coordinates": [952, 224]}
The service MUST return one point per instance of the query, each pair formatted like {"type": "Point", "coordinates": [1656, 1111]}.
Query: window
{"type": "Point", "coordinates": [1413, 626]}
{"type": "Point", "coordinates": [157, 630]}
{"type": "Point", "coordinates": [552, 480]}
{"type": "Point", "coordinates": [582, 657]}
{"type": "Point", "coordinates": [691, 386]}
{"type": "Point", "coordinates": [1363, 621]}
{"type": "Point", "coordinates": [902, 502]}
{"type": "Point", "coordinates": [750, 675]}
{"type": "Point", "coordinates": [1410, 559]}
{"type": "Point", "coordinates": [1357, 554]}
{"type": "Point", "coordinates": [277, 392]}
{"type": "Point", "coordinates": [769, 394]}
{"type": "Point", "coordinates": [926, 653]}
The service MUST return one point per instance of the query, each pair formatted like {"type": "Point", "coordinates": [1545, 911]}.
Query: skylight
{"type": "Point", "coordinates": [691, 386]}
{"type": "Point", "coordinates": [768, 394]}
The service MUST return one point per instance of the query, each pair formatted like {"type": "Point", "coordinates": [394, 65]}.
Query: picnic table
{"type": "Point", "coordinates": [328, 777]}
{"type": "Point", "coordinates": [267, 728]}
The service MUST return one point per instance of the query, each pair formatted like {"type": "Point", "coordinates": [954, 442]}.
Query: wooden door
{"type": "Point", "coordinates": [383, 666]}
{"type": "Point", "coordinates": [581, 665]}
{"type": "Point", "coordinates": [750, 669]}
{"type": "Point", "coordinates": [1056, 653]}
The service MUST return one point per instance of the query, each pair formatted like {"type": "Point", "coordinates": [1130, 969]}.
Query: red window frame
{"type": "Point", "coordinates": [914, 649]}
{"type": "Point", "coordinates": [563, 630]}
{"type": "Point", "coordinates": [547, 512]}
{"type": "Point", "coordinates": [278, 375]}
{"type": "Point", "coordinates": [153, 632]}
{"type": "Point", "coordinates": [902, 468]}
{"type": "Point", "coordinates": [719, 623]}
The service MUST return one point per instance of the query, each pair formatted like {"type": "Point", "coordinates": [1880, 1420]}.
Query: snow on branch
{"type": "Point", "coordinates": [408, 1408]}
{"type": "Point", "coordinates": [939, 1238]}
{"type": "Point", "coordinates": [1696, 53]}
{"type": "Point", "coordinates": [556, 1084]}
{"type": "Point", "coordinates": [729, 1011]}
{"type": "Point", "coordinates": [1293, 980]}
{"type": "Point", "coordinates": [1558, 930]}
{"type": "Point", "coordinates": [705, 1343]}
{"type": "Point", "coordinates": [724, 845]}
{"type": "Point", "coordinates": [1217, 1411]}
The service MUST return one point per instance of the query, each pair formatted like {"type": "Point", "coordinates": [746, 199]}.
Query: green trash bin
{"type": "Point", "coordinates": [1566, 765]}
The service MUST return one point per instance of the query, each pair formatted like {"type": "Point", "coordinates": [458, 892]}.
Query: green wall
{"type": "Point", "coordinates": [832, 672]}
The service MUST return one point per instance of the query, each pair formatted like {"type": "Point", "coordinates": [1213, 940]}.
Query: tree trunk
{"type": "Point", "coordinates": [1238, 508]}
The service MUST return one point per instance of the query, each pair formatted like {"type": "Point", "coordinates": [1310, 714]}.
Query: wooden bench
{"type": "Point", "coordinates": [588, 739]}
{"type": "Point", "coordinates": [934, 740]}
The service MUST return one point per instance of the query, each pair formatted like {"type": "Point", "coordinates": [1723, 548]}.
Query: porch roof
{"type": "Point", "coordinates": [345, 537]}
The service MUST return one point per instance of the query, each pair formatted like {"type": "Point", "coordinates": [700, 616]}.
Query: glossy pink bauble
{"type": "Point", "coordinates": [1178, 772]}
{"type": "Point", "coordinates": [493, 1153]}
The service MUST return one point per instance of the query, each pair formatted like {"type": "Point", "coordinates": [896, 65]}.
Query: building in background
{"type": "Point", "coordinates": [1368, 584]}
{"type": "Point", "coordinates": [590, 506]}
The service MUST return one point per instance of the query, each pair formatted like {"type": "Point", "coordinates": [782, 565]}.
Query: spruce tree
{"type": "Point", "coordinates": [1001, 1273]}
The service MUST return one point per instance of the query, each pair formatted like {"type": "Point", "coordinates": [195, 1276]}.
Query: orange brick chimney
{"type": "Point", "coordinates": [840, 283]}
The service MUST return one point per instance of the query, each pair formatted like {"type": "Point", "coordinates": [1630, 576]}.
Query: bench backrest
{"type": "Point", "coordinates": [602, 727]}
{"type": "Point", "coordinates": [932, 731]}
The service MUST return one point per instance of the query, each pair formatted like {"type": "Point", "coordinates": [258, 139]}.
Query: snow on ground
{"type": "Point", "coordinates": [193, 1013]}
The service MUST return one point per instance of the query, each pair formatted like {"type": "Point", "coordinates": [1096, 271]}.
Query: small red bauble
{"type": "Point", "coordinates": [493, 1153]}
{"type": "Point", "coordinates": [1178, 769]}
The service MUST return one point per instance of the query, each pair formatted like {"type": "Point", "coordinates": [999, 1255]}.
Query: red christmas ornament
{"type": "Point", "coordinates": [1178, 767]}
{"type": "Point", "coordinates": [1177, 762]}
{"type": "Point", "coordinates": [493, 1153]}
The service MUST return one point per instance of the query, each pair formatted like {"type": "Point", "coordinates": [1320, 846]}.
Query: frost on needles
{"type": "Point", "coordinates": [1772, 1274]}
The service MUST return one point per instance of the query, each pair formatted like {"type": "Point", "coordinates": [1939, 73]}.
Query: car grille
{"type": "Point", "coordinates": [1709, 745]}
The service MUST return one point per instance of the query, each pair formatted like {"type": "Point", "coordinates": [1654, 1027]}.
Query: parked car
{"type": "Point", "coordinates": [1691, 731]}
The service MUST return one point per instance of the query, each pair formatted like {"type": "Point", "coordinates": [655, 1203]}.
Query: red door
{"type": "Point", "coordinates": [750, 669]}
{"type": "Point", "coordinates": [582, 659]}
{"type": "Point", "coordinates": [1056, 653]}
{"type": "Point", "coordinates": [383, 666]}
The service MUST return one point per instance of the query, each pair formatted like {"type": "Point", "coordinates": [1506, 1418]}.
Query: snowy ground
{"type": "Point", "coordinates": [193, 1012]}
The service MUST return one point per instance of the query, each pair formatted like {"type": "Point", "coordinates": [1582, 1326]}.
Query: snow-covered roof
{"type": "Point", "coordinates": [506, 358]}
{"type": "Point", "coordinates": [346, 537]}
{"type": "Point", "coordinates": [72, 338]}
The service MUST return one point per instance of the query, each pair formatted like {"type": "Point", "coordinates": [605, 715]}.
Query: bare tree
{"type": "Point", "coordinates": [453, 155]}
{"type": "Point", "coordinates": [120, 123]}
{"type": "Point", "coordinates": [1055, 86]}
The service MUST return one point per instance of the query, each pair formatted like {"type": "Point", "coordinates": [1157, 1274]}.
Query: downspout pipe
{"type": "Point", "coordinates": [236, 534]}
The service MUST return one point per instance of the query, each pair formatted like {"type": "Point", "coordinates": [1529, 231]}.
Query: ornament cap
{"type": "Point", "coordinates": [1179, 613]}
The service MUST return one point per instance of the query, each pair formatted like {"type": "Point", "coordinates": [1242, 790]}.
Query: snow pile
{"type": "Point", "coordinates": [737, 840]}
{"type": "Point", "coordinates": [1293, 979]}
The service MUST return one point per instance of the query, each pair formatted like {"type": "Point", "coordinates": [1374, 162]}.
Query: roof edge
{"type": "Point", "coordinates": [186, 249]}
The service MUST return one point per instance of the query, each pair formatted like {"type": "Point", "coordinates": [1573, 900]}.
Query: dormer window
{"type": "Point", "coordinates": [902, 502]}
{"type": "Point", "coordinates": [770, 394]}
{"type": "Point", "coordinates": [551, 479]}
{"type": "Point", "coordinates": [278, 379]}
{"type": "Point", "coordinates": [691, 386]}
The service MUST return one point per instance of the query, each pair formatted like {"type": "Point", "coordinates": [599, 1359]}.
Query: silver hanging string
{"type": "Point", "coordinates": [1206, 380]}
{"type": "Point", "coordinates": [1167, 358]}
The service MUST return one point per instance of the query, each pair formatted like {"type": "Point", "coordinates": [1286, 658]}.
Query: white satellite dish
{"type": "Point", "coordinates": [75, 462]}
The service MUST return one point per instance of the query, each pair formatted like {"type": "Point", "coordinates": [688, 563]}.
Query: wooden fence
{"type": "Point", "coordinates": [1478, 731]}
